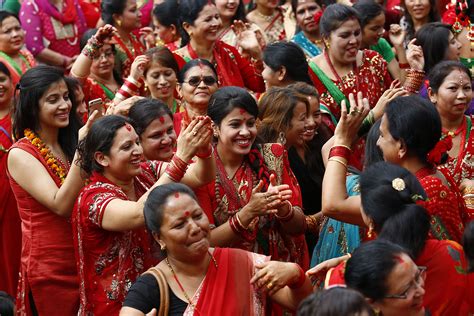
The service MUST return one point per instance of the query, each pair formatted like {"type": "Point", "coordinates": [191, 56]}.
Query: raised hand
{"type": "Point", "coordinates": [85, 129]}
{"type": "Point", "coordinates": [196, 136]}
{"type": "Point", "coordinates": [105, 34]}
{"type": "Point", "coordinates": [349, 123]}
{"type": "Point", "coordinates": [247, 39]}
{"type": "Point", "coordinates": [138, 67]}
{"type": "Point", "coordinates": [395, 90]}
{"type": "Point", "coordinates": [415, 56]}
{"type": "Point", "coordinates": [396, 35]}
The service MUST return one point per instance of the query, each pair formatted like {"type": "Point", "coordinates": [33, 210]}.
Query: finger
{"type": "Point", "coordinates": [257, 276]}
{"type": "Point", "coordinates": [352, 102]}
{"type": "Point", "coordinates": [343, 110]}
{"type": "Point", "coordinates": [360, 103]}
{"type": "Point", "coordinates": [258, 188]}
{"type": "Point", "coordinates": [273, 180]}
{"type": "Point", "coordinates": [412, 42]}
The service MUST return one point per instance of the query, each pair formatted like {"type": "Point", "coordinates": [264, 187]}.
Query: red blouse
{"type": "Point", "coordinates": [108, 268]}
{"type": "Point", "coordinates": [48, 267]}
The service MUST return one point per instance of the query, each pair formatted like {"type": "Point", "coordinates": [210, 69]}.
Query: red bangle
{"type": "Point", "coordinates": [207, 154]}
{"type": "Point", "coordinates": [340, 151]}
{"type": "Point", "coordinates": [301, 280]}
{"type": "Point", "coordinates": [403, 65]}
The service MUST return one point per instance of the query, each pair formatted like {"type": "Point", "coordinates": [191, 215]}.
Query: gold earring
{"type": "Point", "coordinates": [370, 233]}
{"type": "Point", "coordinates": [119, 23]}
{"type": "Point", "coordinates": [163, 248]}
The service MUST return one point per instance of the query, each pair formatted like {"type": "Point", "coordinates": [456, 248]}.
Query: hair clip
{"type": "Point", "coordinates": [18, 87]}
{"type": "Point", "coordinates": [398, 184]}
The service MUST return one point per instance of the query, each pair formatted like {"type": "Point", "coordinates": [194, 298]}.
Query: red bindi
{"type": "Point", "coordinates": [162, 119]}
{"type": "Point", "coordinates": [242, 111]}
{"type": "Point", "coordinates": [187, 213]}
{"type": "Point", "coordinates": [128, 127]}
{"type": "Point", "coordinates": [176, 195]}
{"type": "Point", "coordinates": [399, 259]}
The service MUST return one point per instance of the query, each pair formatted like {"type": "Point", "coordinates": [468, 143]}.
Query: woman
{"type": "Point", "coordinates": [165, 24]}
{"type": "Point", "coordinates": [197, 82]}
{"type": "Point", "coordinates": [10, 225]}
{"type": "Point", "coordinates": [308, 14]}
{"type": "Point", "coordinates": [46, 181]}
{"type": "Point", "coordinates": [409, 137]}
{"type": "Point", "coordinates": [388, 278]}
{"type": "Point", "coordinates": [306, 161]}
{"type": "Point", "coordinates": [270, 18]}
{"type": "Point", "coordinates": [230, 11]}
{"type": "Point", "coordinates": [159, 71]}
{"type": "Point", "coordinates": [110, 208]}
{"type": "Point", "coordinates": [94, 68]}
{"type": "Point", "coordinates": [372, 21]}
{"type": "Point", "coordinates": [284, 63]}
{"type": "Point", "coordinates": [125, 16]}
{"type": "Point", "coordinates": [153, 122]}
{"type": "Point", "coordinates": [392, 202]}
{"type": "Point", "coordinates": [204, 280]}
{"type": "Point", "coordinates": [343, 68]}
{"type": "Point", "coordinates": [451, 92]}
{"type": "Point", "coordinates": [246, 207]}
{"type": "Point", "coordinates": [417, 14]}
{"type": "Point", "coordinates": [200, 24]}
{"type": "Point", "coordinates": [338, 300]}
{"type": "Point", "coordinates": [53, 30]}
{"type": "Point", "coordinates": [12, 54]}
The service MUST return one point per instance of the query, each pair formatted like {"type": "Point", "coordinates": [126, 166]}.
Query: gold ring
{"type": "Point", "coordinates": [269, 285]}
{"type": "Point", "coordinates": [355, 111]}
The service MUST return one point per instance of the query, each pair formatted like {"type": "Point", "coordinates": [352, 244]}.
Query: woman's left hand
{"type": "Point", "coordinates": [194, 137]}
{"type": "Point", "coordinates": [275, 275]}
{"type": "Point", "coordinates": [284, 195]}
{"type": "Point", "coordinates": [349, 123]}
{"type": "Point", "coordinates": [146, 33]}
{"type": "Point", "coordinates": [138, 67]}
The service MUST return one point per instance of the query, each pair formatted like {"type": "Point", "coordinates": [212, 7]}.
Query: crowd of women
{"type": "Point", "coordinates": [199, 157]}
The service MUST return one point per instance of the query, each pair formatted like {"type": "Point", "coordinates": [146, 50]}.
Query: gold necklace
{"type": "Point", "coordinates": [266, 18]}
{"type": "Point", "coordinates": [175, 276]}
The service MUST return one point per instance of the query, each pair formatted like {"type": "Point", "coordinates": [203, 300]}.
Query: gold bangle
{"type": "Point", "coordinates": [240, 223]}
{"type": "Point", "coordinates": [336, 159]}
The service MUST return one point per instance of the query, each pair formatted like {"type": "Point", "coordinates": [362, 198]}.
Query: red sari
{"type": "Point", "coordinates": [226, 289]}
{"type": "Point", "coordinates": [48, 268]}
{"type": "Point", "coordinates": [10, 224]}
{"type": "Point", "coordinates": [108, 268]}
{"type": "Point", "coordinates": [232, 68]}
{"type": "Point", "coordinates": [462, 166]}
{"type": "Point", "coordinates": [445, 205]}
{"type": "Point", "coordinates": [448, 288]}
{"type": "Point", "coordinates": [222, 198]}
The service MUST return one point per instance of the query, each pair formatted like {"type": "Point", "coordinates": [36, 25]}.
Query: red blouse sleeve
{"type": "Point", "coordinates": [253, 80]}
{"type": "Point", "coordinates": [206, 198]}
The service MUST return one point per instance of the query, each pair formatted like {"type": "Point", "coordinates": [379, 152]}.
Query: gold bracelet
{"type": "Point", "coordinates": [240, 223]}
{"type": "Point", "coordinates": [336, 159]}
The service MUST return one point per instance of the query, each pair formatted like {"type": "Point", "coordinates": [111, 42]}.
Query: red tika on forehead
{"type": "Point", "coordinates": [187, 213]}
{"type": "Point", "coordinates": [176, 195]}
{"type": "Point", "coordinates": [162, 119]}
{"type": "Point", "coordinates": [399, 259]}
{"type": "Point", "coordinates": [128, 127]}
{"type": "Point", "coordinates": [242, 111]}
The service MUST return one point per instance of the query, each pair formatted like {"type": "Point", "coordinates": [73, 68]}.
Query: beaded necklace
{"type": "Point", "coordinates": [55, 164]}
{"type": "Point", "coordinates": [175, 276]}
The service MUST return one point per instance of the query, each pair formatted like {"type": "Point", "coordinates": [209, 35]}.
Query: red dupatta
{"type": "Point", "coordinates": [226, 290]}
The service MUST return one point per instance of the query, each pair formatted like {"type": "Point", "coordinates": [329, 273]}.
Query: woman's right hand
{"type": "Point", "coordinates": [138, 67]}
{"type": "Point", "coordinates": [105, 34]}
{"type": "Point", "coordinates": [394, 91]}
{"type": "Point", "coordinates": [85, 129]}
{"type": "Point", "coordinates": [349, 123]}
{"type": "Point", "coordinates": [415, 56]}
{"type": "Point", "coordinates": [194, 137]}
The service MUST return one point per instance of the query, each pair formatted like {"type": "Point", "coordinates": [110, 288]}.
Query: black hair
{"type": "Point", "coordinates": [468, 245]}
{"type": "Point", "coordinates": [193, 63]}
{"type": "Point", "coordinates": [370, 266]}
{"type": "Point", "coordinates": [163, 56]}
{"type": "Point", "coordinates": [5, 14]}
{"type": "Point", "coordinates": [434, 40]}
{"type": "Point", "coordinates": [372, 152]}
{"type": "Point", "coordinates": [367, 10]}
{"type": "Point", "coordinates": [225, 99]}
{"type": "Point", "coordinates": [5, 70]}
{"type": "Point", "coordinates": [167, 13]}
{"type": "Point", "coordinates": [111, 7]}
{"type": "Point", "coordinates": [7, 304]}
{"type": "Point", "coordinates": [33, 85]}
{"type": "Point", "coordinates": [394, 212]}
{"type": "Point", "coordinates": [99, 139]}
{"type": "Point", "coordinates": [288, 55]}
{"type": "Point", "coordinates": [441, 70]}
{"type": "Point", "coordinates": [188, 12]}
{"type": "Point", "coordinates": [156, 202]}
{"type": "Point", "coordinates": [334, 16]}
{"type": "Point", "coordinates": [415, 121]}
{"type": "Point", "coordinates": [86, 36]}
{"type": "Point", "coordinates": [335, 301]}
{"type": "Point", "coordinates": [145, 111]}
{"type": "Point", "coordinates": [433, 16]}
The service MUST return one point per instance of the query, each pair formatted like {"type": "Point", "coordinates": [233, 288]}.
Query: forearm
{"type": "Point", "coordinates": [223, 236]}
{"type": "Point", "coordinates": [291, 298]}
{"type": "Point", "coordinates": [51, 57]}
{"type": "Point", "coordinates": [402, 59]}
{"type": "Point", "coordinates": [201, 172]}
{"type": "Point", "coordinates": [81, 67]}
{"type": "Point", "coordinates": [296, 224]}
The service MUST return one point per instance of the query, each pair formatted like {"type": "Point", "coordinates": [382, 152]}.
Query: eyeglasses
{"type": "Point", "coordinates": [105, 54]}
{"type": "Point", "coordinates": [196, 81]}
{"type": "Point", "coordinates": [417, 281]}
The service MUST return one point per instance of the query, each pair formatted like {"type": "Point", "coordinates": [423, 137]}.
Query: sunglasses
{"type": "Point", "coordinates": [196, 81]}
